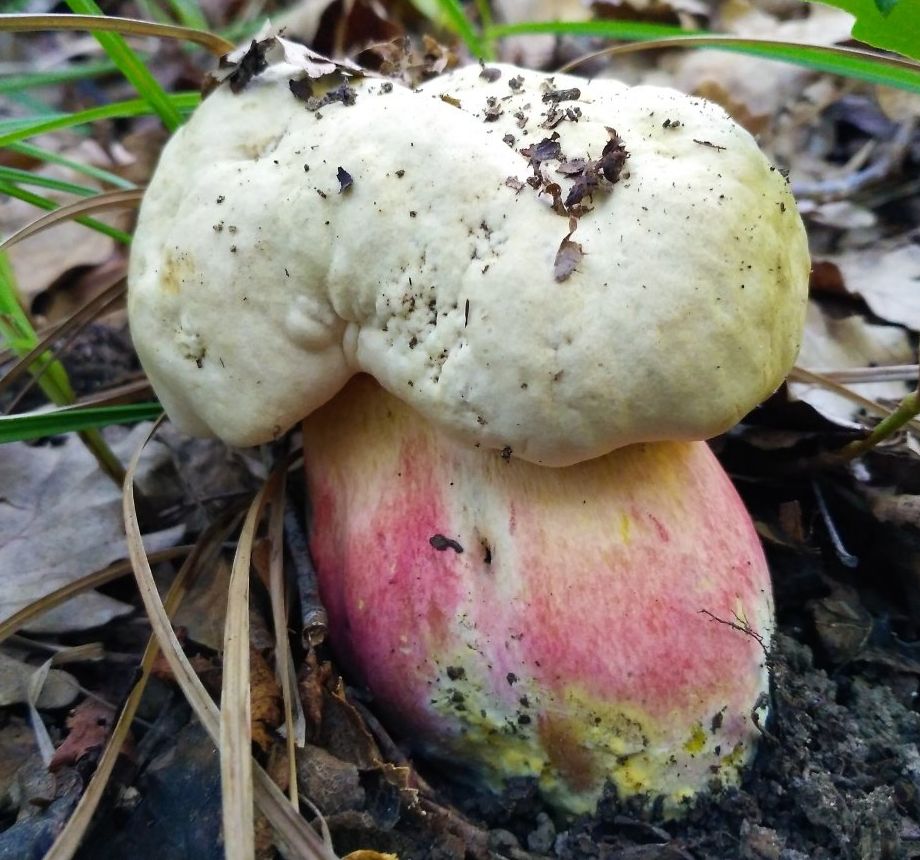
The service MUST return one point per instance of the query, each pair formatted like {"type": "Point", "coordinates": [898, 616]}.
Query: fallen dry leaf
{"type": "Point", "coordinates": [842, 623]}
{"type": "Point", "coordinates": [837, 344]}
{"type": "Point", "coordinates": [208, 669]}
{"type": "Point", "coordinates": [684, 13]}
{"type": "Point", "coordinates": [43, 258]}
{"type": "Point", "coordinates": [887, 277]}
{"type": "Point", "coordinates": [267, 713]}
{"type": "Point", "coordinates": [753, 90]}
{"type": "Point", "coordinates": [899, 105]}
{"type": "Point", "coordinates": [60, 519]}
{"type": "Point", "coordinates": [366, 854]}
{"type": "Point", "coordinates": [202, 611]}
{"type": "Point", "coordinates": [567, 259]}
{"type": "Point", "coordinates": [17, 744]}
{"type": "Point", "coordinates": [311, 684]}
{"type": "Point", "coordinates": [345, 734]}
{"type": "Point", "coordinates": [901, 509]}
{"type": "Point", "coordinates": [302, 20]}
{"type": "Point", "coordinates": [332, 784]}
{"type": "Point", "coordinates": [89, 726]}
{"type": "Point", "coordinates": [58, 691]}
{"type": "Point", "coordinates": [841, 214]}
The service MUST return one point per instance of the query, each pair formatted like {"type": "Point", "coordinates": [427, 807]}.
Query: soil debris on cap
{"type": "Point", "coordinates": [252, 64]}
{"type": "Point", "coordinates": [301, 88]}
{"type": "Point", "coordinates": [613, 157]}
{"type": "Point", "coordinates": [554, 116]}
{"type": "Point", "coordinates": [548, 149]}
{"type": "Point", "coordinates": [342, 93]}
{"type": "Point", "coordinates": [345, 179]}
{"type": "Point", "coordinates": [556, 96]}
{"type": "Point", "coordinates": [493, 109]}
{"type": "Point", "coordinates": [554, 190]}
{"type": "Point", "coordinates": [568, 256]}
{"type": "Point", "coordinates": [710, 144]}
{"type": "Point", "coordinates": [572, 166]}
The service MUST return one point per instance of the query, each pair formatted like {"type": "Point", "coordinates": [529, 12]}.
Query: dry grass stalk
{"type": "Point", "coordinates": [235, 698]}
{"type": "Point", "coordinates": [284, 664]}
{"type": "Point", "coordinates": [69, 839]}
{"type": "Point", "coordinates": [296, 839]}
{"type": "Point", "coordinates": [99, 202]}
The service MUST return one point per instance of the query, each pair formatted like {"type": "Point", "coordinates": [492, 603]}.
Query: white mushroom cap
{"type": "Point", "coordinates": [257, 287]}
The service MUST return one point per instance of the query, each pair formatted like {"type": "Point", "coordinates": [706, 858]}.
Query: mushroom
{"type": "Point", "coordinates": [602, 621]}
{"type": "Point", "coordinates": [547, 278]}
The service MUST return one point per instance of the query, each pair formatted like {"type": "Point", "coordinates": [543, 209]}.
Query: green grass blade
{"type": "Point", "coordinates": [132, 67]}
{"type": "Point", "coordinates": [242, 31]}
{"type": "Point", "coordinates": [30, 150]}
{"type": "Point", "coordinates": [627, 30]}
{"type": "Point", "coordinates": [32, 103]}
{"type": "Point", "coordinates": [849, 62]}
{"type": "Point", "coordinates": [15, 123]}
{"type": "Point", "coordinates": [36, 425]}
{"type": "Point", "coordinates": [457, 21]}
{"type": "Point", "coordinates": [75, 72]}
{"type": "Point", "coordinates": [893, 25]}
{"type": "Point", "coordinates": [17, 332]}
{"type": "Point", "coordinates": [151, 11]}
{"type": "Point", "coordinates": [49, 205]}
{"type": "Point", "coordinates": [14, 130]}
{"type": "Point", "coordinates": [853, 63]}
{"type": "Point", "coordinates": [26, 177]}
{"type": "Point", "coordinates": [189, 14]}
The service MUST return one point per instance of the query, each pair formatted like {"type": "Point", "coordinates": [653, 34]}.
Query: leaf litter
{"type": "Point", "coordinates": [838, 772]}
{"type": "Point", "coordinates": [59, 521]}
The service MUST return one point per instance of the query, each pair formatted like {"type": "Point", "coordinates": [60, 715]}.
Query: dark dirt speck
{"type": "Point", "coordinates": [441, 543]}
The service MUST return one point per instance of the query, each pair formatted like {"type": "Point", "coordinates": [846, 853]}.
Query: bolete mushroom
{"type": "Point", "coordinates": [547, 278]}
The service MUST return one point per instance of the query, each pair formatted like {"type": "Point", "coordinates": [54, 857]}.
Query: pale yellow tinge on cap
{"type": "Point", "coordinates": [257, 288]}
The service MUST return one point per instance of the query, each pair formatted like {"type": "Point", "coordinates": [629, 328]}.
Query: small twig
{"type": "Point", "coordinates": [846, 558]}
{"type": "Point", "coordinates": [850, 184]}
{"type": "Point", "coordinates": [888, 373]}
{"type": "Point", "coordinates": [799, 374]}
{"type": "Point", "coordinates": [907, 410]}
{"type": "Point", "coordinates": [388, 746]}
{"type": "Point", "coordinates": [741, 625]}
{"type": "Point", "coordinates": [314, 621]}
{"type": "Point", "coordinates": [759, 705]}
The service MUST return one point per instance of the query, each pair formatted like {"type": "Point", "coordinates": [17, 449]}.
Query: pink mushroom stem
{"type": "Point", "coordinates": [602, 621]}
